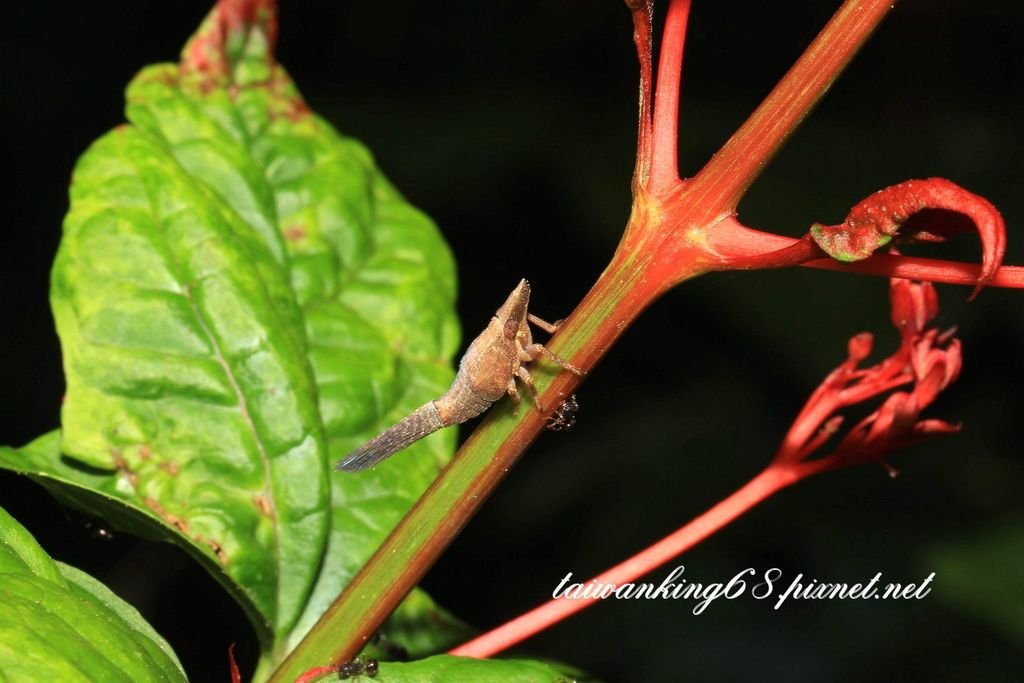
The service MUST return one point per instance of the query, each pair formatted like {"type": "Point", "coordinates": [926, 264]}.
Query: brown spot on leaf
{"type": "Point", "coordinates": [263, 505]}
{"type": "Point", "coordinates": [294, 232]}
{"type": "Point", "coordinates": [178, 523]}
{"type": "Point", "coordinates": [145, 452]}
{"type": "Point", "coordinates": [123, 468]}
{"type": "Point", "coordinates": [170, 468]}
{"type": "Point", "coordinates": [218, 550]}
{"type": "Point", "coordinates": [154, 505]}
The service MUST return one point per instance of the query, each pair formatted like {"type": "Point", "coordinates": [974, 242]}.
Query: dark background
{"type": "Point", "coordinates": [512, 124]}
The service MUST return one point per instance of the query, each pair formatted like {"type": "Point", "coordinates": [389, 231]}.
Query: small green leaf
{"type": "Point", "coordinates": [20, 554]}
{"type": "Point", "coordinates": [58, 623]}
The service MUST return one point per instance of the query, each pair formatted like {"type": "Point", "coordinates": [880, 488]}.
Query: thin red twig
{"type": "Point", "coordinates": [665, 165]}
{"type": "Point", "coordinates": [642, 11]}
{"type": "Point", "coordinates": [751, 494]}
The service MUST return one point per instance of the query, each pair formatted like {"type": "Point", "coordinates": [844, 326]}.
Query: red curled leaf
{"type": "Point", "coordinates": [916, 211]}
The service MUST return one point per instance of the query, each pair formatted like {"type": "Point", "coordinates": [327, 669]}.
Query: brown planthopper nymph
{"type": "Point", "coordinates": [487, 372]}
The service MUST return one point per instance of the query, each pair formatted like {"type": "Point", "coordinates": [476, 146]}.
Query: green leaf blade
{"type": "Point", "coordinates": [242, 299]}
{"type": "Point", "coordinates": [189, 375]}
{"type": "Point", "coordinates": [20, 554]}
{"type": "Point", "coordinates": [106, 495]}
{"type": "Point", "coordinates": [376, 285]}
{"type": "Point", "coordinates": [58, 623]}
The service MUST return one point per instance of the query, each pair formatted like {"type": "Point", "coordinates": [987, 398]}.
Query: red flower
{"type": "Point", "coordinates": [927, 360]}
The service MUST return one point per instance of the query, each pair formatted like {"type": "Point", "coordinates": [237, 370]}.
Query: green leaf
{"type": "Point", "coordinates": [20, 554]}
{"type": "Point", "coordinates": [186, 368]}
{"type": "Point", "coordinates": [374, 279]}
{"type": "Point", "coordinates": [242, 298]}
{"type": "Point", "coordinates": [100, 493]}
{"type": "Point", "coordinates": [419, 626]}
{"type": "Point", "coordinates": [58, 623]}
{"type": "Point", "coordinates": [382, 332]}
{"type": "Point", "coordinates": [448, 669]}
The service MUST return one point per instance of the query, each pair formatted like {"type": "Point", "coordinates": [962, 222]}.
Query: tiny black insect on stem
{"type": "Point", "coordinates": [564, 416]}
{"type": "Point", "coordinates": [358, 667]}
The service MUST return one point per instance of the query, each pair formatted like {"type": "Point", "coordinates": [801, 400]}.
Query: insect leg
{"type": "Point", "coordinates": [523, 374]}
{"type": "Point", "coordinates": [534, 350]}
{"type": "Point", "coordinates": [512, 391]}
{"type": "Point", "coordinates": [550, 328]}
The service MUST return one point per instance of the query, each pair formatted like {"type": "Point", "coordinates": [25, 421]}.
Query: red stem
{"type": "Point", "coordinates": [931, 270]}
{"type": "Point", "coordinates": [642, 11]}
{"type": "Point", "coordinates": [665, 165]}
{"type": "Point", "coordinates": [770, 481]}
{"type": "Point", "coordinates": [743, 247]}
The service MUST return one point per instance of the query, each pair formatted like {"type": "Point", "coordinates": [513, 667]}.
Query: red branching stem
{"type": "Point", "coordinates": [664, 162]}
{"type": "Point", "coordinates": [643, 15]}
{"type": "Point", "coordinates": [729, 173]}
{"type": "Point", "coordinates": [764, 485]}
